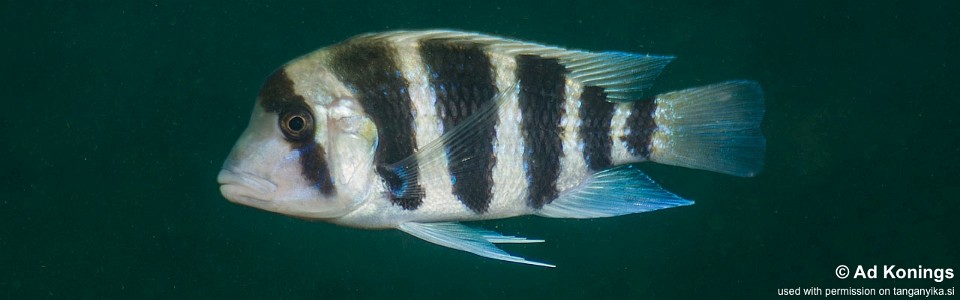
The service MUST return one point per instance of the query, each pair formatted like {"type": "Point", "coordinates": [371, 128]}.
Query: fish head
{"type": "Point", "coordinates": [304, 153]}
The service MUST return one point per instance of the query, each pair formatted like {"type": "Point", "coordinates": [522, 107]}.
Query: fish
{"type": "Point", "coordinates": [424, 130]}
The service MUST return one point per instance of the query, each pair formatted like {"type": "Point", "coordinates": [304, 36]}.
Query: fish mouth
{"type": "Point", "coordinates": [245, 188]}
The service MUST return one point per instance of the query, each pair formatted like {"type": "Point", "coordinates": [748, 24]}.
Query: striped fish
{"type": "Point", "coordinates": [419, 130]}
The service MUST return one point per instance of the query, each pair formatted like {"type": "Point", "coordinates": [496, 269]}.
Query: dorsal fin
{"type": "Point", "coordinates": [624, 76]}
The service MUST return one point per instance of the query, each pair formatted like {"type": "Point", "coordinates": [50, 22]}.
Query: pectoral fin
{"type": "Point", "coordinates": [456, 147]}
{"type": "Point", "coordinates": [477, 241]}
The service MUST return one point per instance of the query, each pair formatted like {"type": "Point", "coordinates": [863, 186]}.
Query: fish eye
{"type": "Point", "coordinates": [297, 124]}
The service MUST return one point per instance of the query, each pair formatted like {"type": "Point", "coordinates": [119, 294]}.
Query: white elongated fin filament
{"type": "Point", "coordinates": [476, 241]}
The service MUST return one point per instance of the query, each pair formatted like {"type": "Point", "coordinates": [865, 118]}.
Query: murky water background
{"type": "Point", "coordinates": [117, 115]}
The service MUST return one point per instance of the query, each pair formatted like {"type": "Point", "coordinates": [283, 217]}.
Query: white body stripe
{"type": "Point", "coordinates": [573, 168]}
{"type": "Point", "coordinates": [509, 177]}
{"type": "Point", "coordinates": [619, 129]}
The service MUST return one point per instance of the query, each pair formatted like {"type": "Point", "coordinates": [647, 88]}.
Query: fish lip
{"type": "Point", "coordinates": [242, 187]}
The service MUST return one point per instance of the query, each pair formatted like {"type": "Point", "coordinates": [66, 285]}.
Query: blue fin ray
{"type": "Point", "coordinates": [616, 191]}
{"type": "Point", "coordinates": [477, 241]}
{"type": "Point", "coordinates": [624, 76]}
{"type": "Point", "coordinates": [635, 72]}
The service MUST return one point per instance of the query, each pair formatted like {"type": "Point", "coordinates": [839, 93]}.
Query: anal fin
{"type": "Point", "coordinates": [477, 241]}
{"type": "Point", "coordinates": [616, 191]}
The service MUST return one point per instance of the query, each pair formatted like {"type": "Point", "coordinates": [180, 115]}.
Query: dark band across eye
{"type": "Point", "coordinates": [297, 124]}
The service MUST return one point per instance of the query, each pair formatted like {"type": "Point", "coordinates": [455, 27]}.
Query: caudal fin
{"type": "Point", "coordinates": [714, 127]}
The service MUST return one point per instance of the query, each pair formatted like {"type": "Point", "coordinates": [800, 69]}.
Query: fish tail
{"type": "Point", "coordinates": [714, 127]}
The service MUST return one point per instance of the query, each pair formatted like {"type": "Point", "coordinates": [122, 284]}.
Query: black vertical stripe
{"type": "Point", "coordinates": [541, 107]}
{"type": "Point", "coordinates": [595, 115]}
{"type": "Point", "coordinates": [313, 159]}
{"type": "Point", "coordinates": [369, 69]}
{"type": "Point", "coordinates": [461, 77]}
{"type": "Point", "coordinates": [278, 96]}
{"type": "Point", "coordinates": [642, 125]}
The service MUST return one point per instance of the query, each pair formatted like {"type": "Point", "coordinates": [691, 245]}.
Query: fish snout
{"type": "Point", "coordinates": [245, 188]}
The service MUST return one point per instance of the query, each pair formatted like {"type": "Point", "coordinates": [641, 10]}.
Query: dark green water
{"type": "Point", "coordinates": [116, 116]}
